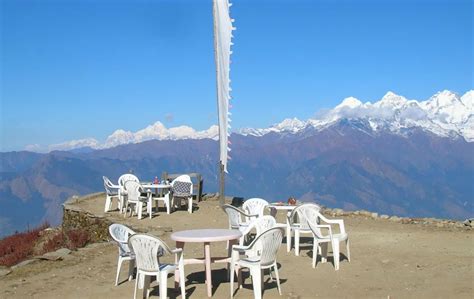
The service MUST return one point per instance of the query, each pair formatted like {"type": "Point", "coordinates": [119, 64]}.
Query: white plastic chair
{"type": "Point", "coordinates": [120, 233]}
{"type": "Point", "coordinates": [165, 198]}
{"type": "Point", "coordinates": [134, 197]}
{"type": "Point", "coordinates": [260, 225]}
{"type": "Point", "coordinates": [298, 225]}
{"type": "Point", "coordinates": [182, 187]}
{"type": "Point", "coordinates": [148, 250]}
{"type": "Point", "coordinates": [235, 216]}
{"type": "Point", "coordinates": [314, 219]}
{"type": "Point", "coordinates": [259, 255]}
{"type": "Point", "coordinates": [122, 191]}
{"type": "Point", "coordinates": [111, 192]}
{"type": "Point", "coordinates": [254, 206]}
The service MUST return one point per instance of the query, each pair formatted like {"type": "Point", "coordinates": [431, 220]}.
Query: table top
{"type": "Point", "coordinates": [282, 206]}
{"type": "Point", "coordinates": [206, 235]}
{"type": "Point", "coordinates": [160, 186]}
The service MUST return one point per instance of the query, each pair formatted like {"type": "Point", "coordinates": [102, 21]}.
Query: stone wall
{"type": "Point", "coordinates": [76, 218]}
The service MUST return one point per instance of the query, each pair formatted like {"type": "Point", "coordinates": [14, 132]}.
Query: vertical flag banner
{"type": "Point", "coordinates": [222, 50]}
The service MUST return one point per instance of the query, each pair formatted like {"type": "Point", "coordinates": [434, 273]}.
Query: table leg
{"type": "Point", "coordinates": [229, 255]}
{"type": "Point", "coordinates": [207, 257]}
{"type": "Point", "coordinates": [176, 272]}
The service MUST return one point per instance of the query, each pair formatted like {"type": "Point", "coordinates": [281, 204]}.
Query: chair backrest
{"type": "Point", "coordinates": [147, 250]}
{"type": "Point", "coordinates": [312, 219]}
{"type": "Point", "coordinates": [264, 223]}
{"type": "Point", "coordinates": [127, 177]}
{"type": "Point", "coordinates": [234, 215]}
{"type": "Point", "coordinates": [299, 213]}
{"type": "Point", "coordinates": [134, 190]}
{"type": "Point", "coordinates": [121, 233]}
{"type": "Point", "coordinates": [182, 185]}
{"type": "Point", "coordinates": [255, 206]}
{"type": "Point", "coordinates": [108, 186]}
{"type": "Point", "coordinates": [267, 244]}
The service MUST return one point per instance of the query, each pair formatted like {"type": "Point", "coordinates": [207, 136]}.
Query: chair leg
{"type": "Point", "coordinates": [256, 273]}
{"type": "Point", "coordinates": [239, 278]}
{"type": "Point", "coordinates": [136, 286]}
{"type": "Point", "coordinates": [335, 252]}
{"type": "Point", "coordinates": [107, 203]}
{"type": "Point", "coordinates": [181, 274]}
{"type": "Point", "coordinates": [146, 286]}
{"type": "Point", "coordinates": [163, 284]}
{"type": "Point", "coordinates": [288, 238]}
{"type": "Point", "coordinates": [348, 250]}
{"type": "Point", "coordinates": [190, 205]}
{"type": "Point", "coordinates": [277, 276]}
{"type": "Point", "coordinates": [149, 207]}
{"type": "Point", "coordinates": [324, 252]}
{"type": "Point", "coordinates": [315, 252]}
{"type": "Point", "coordinates": [131, 267]}
{"type": "Point", "coordinates": [297, 242]}
{"type": "Point", "coordinates": [140, 208]}
{"type": "Point", "coordinates": [232, 269]}
{"type": "Point", "coordinates": [119, 266]}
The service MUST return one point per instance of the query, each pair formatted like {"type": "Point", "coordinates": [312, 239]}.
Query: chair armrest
{"type": "Point", "coordinates": [177, 250]}
{"type": "Point", "coordinates": [240, 248]}
{"type": "Point", "coordinates": [327, 227]}
{"type": "Point", "coordinates": [339, 222]}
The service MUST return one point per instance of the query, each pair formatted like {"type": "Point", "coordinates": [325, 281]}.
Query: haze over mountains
{"type": "Point", "coordinates": [395, 156]}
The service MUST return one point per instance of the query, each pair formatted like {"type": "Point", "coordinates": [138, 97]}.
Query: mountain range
{"type": "Point", "coordinates": [395, 156]}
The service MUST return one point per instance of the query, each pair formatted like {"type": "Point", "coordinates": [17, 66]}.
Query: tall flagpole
{"type": "Point", "coordinates": [222, 50]}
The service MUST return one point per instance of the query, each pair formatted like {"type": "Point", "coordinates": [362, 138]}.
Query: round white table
{"type": "Point", "coordinates": [206, 236]}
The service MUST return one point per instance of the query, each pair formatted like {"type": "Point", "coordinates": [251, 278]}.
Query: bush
{"type": "Point", "coordinates": [77, 238]}
{"type": "Point", "coordinates": [18, 247]}
{"type": "Point", "coordinates": [54, 243]}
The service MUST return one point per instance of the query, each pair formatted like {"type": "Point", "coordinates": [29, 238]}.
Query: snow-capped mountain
{"type": "Point", "coordinates": [157, 131]}
{"type": "Point", "coordinates": [444, 114]}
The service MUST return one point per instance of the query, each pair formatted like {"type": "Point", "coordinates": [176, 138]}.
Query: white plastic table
{"type": "Point", "coordinates": [274, 208]}
{"type": "Point", "coordinates": [148, 187]}
{"type": "Point", "coordinates": [206, 236]}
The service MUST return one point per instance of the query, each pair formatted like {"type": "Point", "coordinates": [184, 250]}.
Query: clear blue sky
{"type": "Point", "coordinates": [77, 69]}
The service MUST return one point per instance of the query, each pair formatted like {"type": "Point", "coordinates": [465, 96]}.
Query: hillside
{"type": "Point", "coordinates": [395, 156]}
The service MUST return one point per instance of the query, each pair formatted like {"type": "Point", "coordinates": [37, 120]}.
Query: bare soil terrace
{"type": "Point", "coordinates": [389, 260]}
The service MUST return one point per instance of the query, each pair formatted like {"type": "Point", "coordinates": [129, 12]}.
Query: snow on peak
{"type": "Point", "coordinates": [69, 145]}
{"type": "Point", "coordinates": [444, 114]}
{"type": "Point", "coordinates": [290, 124]}
{"type": "Point", "coordinates": [468, 100]}
{"type": "Point", "coordinates": [349, 102]}
{"type": "Point", "coordinates": [391, 100]}
{"type": "Point", "coordinates": [155, 131]}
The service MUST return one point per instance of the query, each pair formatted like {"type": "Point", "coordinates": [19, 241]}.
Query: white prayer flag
{"type": "Point", "coordinates": [222, 41]}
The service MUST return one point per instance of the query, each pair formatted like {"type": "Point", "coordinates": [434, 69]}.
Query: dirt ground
{"type": "Point", "coordinates": [388, 260]}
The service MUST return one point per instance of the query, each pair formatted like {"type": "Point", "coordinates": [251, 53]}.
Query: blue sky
{"type": "Point", "coordinates": [77, 69]}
